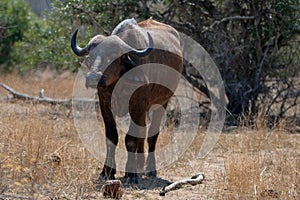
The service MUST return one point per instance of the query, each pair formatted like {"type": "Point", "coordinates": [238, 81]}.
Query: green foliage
{"type": "Point", "coordinates": [48, 41]}
{"type": "Point", "coordinates": [49, 38]}
{"type": "Point", "coordinates": [14, 21]}
{"type": "Point", "coordinates": [29, 52]}
{"type": "Point", "coordinates": [288, 13]}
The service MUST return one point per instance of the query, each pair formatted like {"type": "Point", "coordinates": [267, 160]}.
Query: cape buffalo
{"type": "Point", "coordinates": [150, 44]}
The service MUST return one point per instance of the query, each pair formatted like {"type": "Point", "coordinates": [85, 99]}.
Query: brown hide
{"type": "Point", "coordinates": [167, 51]}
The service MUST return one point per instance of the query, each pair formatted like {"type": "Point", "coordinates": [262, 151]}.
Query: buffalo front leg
{"type": "Point", "coordinates": [152, 139]}
{"type": "Point", "coordinates": [109, 169]}
{"type": "Point", "coordinates": [134, 142]}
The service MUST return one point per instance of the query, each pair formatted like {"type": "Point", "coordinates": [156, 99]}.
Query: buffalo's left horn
{"type": "Point", "coordinates": [144, 52]}
{"type": "Point", "coordinates": [76, 49]}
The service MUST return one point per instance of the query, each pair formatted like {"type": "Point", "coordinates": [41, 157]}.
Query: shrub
{"type": "Point", "coordinates": [14, 21]}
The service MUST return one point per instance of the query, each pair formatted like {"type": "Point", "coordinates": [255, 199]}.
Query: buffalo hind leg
{"type": "Point", "coordinates": [140, 156]}
{"type": "Point", "coordinates": [131, 166]}
{"type": "Point", "coordinates": [152, 139]}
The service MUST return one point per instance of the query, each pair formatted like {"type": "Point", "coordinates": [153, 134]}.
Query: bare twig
{"type": "Point", "coordinates": [228, 19]}
{"type": "Point", "coordinates": [196, 179]}
{"type": "Point", "coordinates": [7, 27]}
{"type": "Point", "coordinates": [91, 14]}
{"type": "Point", "coordinates": [10, 182]}
{"type": "Point", "coordinates": [57, 150]}
{"type": "Point", "coordinates": [13, 196]}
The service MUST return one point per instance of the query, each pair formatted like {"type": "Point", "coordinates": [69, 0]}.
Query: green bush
{"type": "Point", "coordinates": [14, 21]}
{"type": "Point", "coordinates": [49, 39]}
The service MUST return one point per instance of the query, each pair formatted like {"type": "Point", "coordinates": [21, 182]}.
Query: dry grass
{"type": "Point", "coordinates": [41, 156]}
{"type": "Point", "coordinates": [41, 153]}
{"type": "Point", "coordinates": [263, 165]}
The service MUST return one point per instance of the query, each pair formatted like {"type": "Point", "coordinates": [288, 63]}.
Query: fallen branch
{"type": "Point", "coordinates": [196, 179]}
{"type": "Point", "coordinates": [44, 99]}
{"type": "Point", "coordinates": [228, 19]}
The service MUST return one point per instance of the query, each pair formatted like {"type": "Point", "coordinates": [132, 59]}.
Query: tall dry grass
{"type": "Point", "coordinates": [261, 164]}
{"type": "Point", "coordinates": [41, 154]}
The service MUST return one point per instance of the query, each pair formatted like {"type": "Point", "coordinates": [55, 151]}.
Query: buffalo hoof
{"type": "Point", "coordinates": [132, 180]}
{"type": "Point", "coordinates": [103, 177]}
{"type": "Point", "coordinates": [149, 173]}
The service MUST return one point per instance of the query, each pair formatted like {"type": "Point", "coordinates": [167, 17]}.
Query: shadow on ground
{"type": "Point", "coordinates": [145, 183]}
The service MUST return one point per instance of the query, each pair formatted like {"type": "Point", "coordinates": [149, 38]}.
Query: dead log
{"type": "Point", "coordinates": [43, 99]}
{"type": "Point", "coordinates": [194, 180]}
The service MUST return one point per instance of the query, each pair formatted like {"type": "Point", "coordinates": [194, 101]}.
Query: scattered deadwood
{"type": "Point", "coordinates": [112, 189]}
{"type": "Point", "coordinates": [196, 179]}
{"type": "Point", "coordinates": [42, 98]}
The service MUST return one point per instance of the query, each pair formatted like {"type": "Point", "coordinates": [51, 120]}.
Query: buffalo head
{"type": "Point", "coordinates": [108, 58]}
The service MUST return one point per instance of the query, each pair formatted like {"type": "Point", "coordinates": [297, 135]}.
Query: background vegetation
{"type": "Point", "coordinates": [254, 43]}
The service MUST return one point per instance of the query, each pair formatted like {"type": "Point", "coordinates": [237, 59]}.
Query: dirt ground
{"type": "Point", "coordinates": [42, 157]}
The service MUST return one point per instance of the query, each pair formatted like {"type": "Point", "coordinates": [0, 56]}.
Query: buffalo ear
{"type": "Point", "coordinates": [128, 63]}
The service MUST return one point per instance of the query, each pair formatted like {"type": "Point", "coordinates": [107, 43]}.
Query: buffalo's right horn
{"type": "Point", "coordinates": [144, 52]}
{"type": "Point", "coordinates": [76, 49]}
